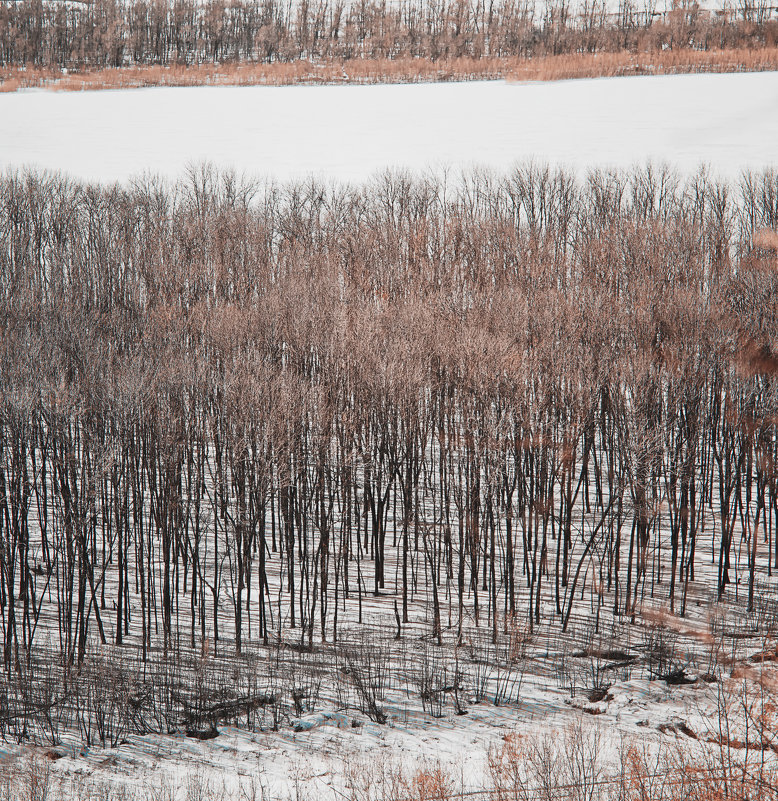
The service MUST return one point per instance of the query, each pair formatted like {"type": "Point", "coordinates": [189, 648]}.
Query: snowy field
{"type": "Point", "coordinates": [350, 132]}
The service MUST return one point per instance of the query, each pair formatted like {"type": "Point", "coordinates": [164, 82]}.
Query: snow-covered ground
{"type": "Point", "coordinates": [351, 132]}
{"type": "Point", "coordinates": [327, 753]}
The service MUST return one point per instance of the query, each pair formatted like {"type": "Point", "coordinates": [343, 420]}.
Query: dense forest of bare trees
{"type": "Point", "coordinates": [107, 33]}
{"type": "Point", "coordinates": [235, 413]}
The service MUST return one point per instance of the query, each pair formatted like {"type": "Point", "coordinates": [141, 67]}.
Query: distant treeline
{"type": "Point", "coordinates": [108, 33]}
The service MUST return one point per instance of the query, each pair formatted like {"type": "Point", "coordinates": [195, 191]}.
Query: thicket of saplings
{"type": "Point", "coordinates": [108, 33]}
{"type": "Point", "coordinates": [243, 427]}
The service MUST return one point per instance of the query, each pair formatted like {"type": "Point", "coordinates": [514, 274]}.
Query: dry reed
{"type": "Point", "coordinates": [667, 62]}
{"type": "Point", "coordinates": [401, 70]}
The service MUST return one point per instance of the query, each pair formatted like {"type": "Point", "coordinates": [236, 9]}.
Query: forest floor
{"type": "Point", "coordinates": [332, 754]}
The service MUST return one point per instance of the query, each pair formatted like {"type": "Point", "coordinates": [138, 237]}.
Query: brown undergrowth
{"type": "Point", "coordinates": [667, 62]}
{"type": "Point", "coordinates": [402, 70]}
{"type": "Point", "coordinates": [357, 71]}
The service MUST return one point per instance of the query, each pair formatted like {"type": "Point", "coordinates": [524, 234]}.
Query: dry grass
{"type": "Point", "coordinates": [359, 71]}
{"type": "Point", "coordinates": [668, 62]}
{"type": "Point", "coordinates": [402, 70]}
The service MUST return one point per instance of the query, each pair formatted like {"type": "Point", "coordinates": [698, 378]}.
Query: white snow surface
{"type": "Point", "coordinates": [349, 132]}
{"type": "Point", "coordinates": [313, 761]}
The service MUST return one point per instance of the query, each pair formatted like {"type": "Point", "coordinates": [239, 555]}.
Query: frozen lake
{"type": "Point", "coordinates": [351, 132]}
